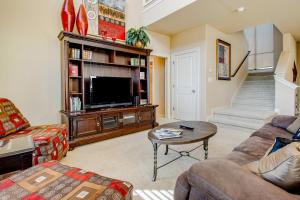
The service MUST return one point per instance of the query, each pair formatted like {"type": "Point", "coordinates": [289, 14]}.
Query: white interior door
{"type": "Point", "coordinates": [185, 87]}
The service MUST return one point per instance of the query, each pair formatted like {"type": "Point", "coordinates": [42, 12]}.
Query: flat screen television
{"type": "Point", "coordinates": [109, 92]}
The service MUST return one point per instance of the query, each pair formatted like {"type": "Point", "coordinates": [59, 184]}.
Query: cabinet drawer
{"type": "Point", "coordinates": [86, 125]}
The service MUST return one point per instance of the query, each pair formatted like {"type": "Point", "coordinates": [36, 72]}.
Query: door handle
{"type": "Point", "coordinates": [193, 91]}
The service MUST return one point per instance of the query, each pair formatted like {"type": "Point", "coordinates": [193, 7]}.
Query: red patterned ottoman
{"type": "Point", "coordinates": [53, 180]}
{"type": "Point", "coordinates": [50, 140]}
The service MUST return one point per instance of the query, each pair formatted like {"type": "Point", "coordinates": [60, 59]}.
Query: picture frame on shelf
{"type": "Point", "coordinates": [223, 60]}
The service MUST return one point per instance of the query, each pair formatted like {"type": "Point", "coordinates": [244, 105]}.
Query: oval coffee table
{"type": "Point", "coordinates": [201, 133]}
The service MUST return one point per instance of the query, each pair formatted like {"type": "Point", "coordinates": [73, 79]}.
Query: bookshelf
{"type": "Point", "coordinates": [85, 56]}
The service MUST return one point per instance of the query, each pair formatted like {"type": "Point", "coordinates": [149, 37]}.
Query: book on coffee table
{"type": "Point", "coordinates": [167, 133]}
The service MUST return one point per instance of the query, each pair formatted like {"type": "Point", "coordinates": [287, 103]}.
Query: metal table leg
{"type": "Point", "coordinates": [205, 147]}
{"type": "Point", "coordinates": [181, 154]}
{"type": "Point", "coordinates": [167, 150]}
{"type": "Point", "coordinates": [155, 162]}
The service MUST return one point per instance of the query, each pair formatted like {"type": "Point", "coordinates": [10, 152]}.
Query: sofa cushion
{"type": "Point", "coordinates": [281, 168]}
{"type": "Point", "coordinates": [11, 119]}
{"type": "Point", "coordinates": [221, 179]}
{"type": "Point", "coordinates": [241, 158]}
{"type": "Point", "coordinates": [182, 187]}
{"type": "Point", "coordinates": [295, 126]}
{"type": "Point", "coordinates": [270, 132]}
{"type": "Point", "coordinates": [283, 121]}
{"type": "Point", "coordinates": [255, 146]}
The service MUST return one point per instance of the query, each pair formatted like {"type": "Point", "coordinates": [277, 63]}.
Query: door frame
{"type": "Point", "coordinates": [166, 88]}
{"type": "Point", "coordinates": [200, 80]}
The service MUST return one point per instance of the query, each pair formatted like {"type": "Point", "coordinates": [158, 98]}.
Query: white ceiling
{"type": "Point", "coordinates": [222, 14]}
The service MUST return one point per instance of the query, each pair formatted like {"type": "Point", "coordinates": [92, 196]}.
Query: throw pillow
{"type": "Point", "coordinates": [11, 119]}
{"type": "Point", "coordinates": [295, 126]}
{"type": "Point", "coordinates": [296, 136]}
{"type": "Point", "coordinates": [278, 144]}
{"type": "Point", "coordinates": [281, 167]}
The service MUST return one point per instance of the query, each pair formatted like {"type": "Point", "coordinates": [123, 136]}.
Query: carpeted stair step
{"type": "Point", "coordinates": [235, 123]}
{"type": "Point", "coordinates": [253, 105]}
{"type": "Point", "coordinates": [249, 78]}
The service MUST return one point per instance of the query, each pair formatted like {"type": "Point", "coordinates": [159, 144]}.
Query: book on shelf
{"type": "Point", "coordinates": [142, 75]}
{"type": "Point", "coordinates": [73, 70]}
{"type": "Point", "coordinates": [87, 55]}
{"type": "Point", "coordinates": [74, 53]}
{"type": "Point", "coordinates": [75, 104]}
{"type": "Point", "coordinates": [143, 62]}
{"type": "Point", "coordinates": [134, 61]}
{"type": "Point", "coordinates": [143, 101]}
{"type": "Point", "coordinates": [167, 133]}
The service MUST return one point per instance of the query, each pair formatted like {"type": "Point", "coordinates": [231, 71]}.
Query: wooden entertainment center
{"type": "Point", "coordinates": [85, 56]}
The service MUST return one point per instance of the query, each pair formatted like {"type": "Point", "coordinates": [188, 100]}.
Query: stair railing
{"type": "Point", "coordinates": [241, 64]}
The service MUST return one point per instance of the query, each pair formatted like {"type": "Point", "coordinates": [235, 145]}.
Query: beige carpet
{"type": "Point", "coordinates": [130, 158]}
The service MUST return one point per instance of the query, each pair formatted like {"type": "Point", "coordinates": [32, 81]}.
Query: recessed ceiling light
{"type": "Point", "coordinates": [241, 9]}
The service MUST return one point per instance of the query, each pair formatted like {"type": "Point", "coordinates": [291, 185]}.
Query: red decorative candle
{"type": "Point", "coordinates": [81, 21]}
{"type": "Point", "coordinates": [68, 15]}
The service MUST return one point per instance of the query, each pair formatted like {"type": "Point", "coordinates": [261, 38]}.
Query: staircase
{"type": "Point", "coordinates": [253, 105]}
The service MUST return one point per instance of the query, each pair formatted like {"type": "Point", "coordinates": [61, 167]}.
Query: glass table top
{"type": "Point", "coordinates": [16, 146]}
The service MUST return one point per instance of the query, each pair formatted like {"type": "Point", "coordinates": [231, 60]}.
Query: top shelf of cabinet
{"type": "Point", "coordinates": [104, 63]}
{"type": "Point", "coordinates": [104, 44]}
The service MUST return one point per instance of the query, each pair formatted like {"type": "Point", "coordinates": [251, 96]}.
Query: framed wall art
{"type": "Point", "coordinates": [106, 18]}
{"type": "Point", "coordinates": [223, 60]}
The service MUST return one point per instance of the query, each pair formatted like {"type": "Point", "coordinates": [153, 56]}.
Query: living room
{"type": "Point", "coordinates": [88, 88]}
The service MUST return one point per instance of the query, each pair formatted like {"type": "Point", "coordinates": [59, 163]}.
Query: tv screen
{"type": "Point", "coordinates": [110, 91]}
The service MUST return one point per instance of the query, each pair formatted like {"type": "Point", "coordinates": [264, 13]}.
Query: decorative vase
{"type": "Point", "coordinates": [139, 44]}
{"type": "Point", "coordinates": [68, 15]}
{"type": "Point", "coordinates": [82, 21]}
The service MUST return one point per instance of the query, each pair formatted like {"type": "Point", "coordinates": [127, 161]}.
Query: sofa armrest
{"type": "Point", "coordinates": [283, 121]}
{"type": "Point", "coordinates": [223, 179]}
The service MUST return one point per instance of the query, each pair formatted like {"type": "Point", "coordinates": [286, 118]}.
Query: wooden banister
{"type": "Point", "coordinates": [241, 64]}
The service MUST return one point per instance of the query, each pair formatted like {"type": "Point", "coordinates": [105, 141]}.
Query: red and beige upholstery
{"type": "Point", "coordinates": [52, 180]}
{"type": "Point", "coordinates": [50, 140]}
{"type": "Point", "coordinates": [11, 119]}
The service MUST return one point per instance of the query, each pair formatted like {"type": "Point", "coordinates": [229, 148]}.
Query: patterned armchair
{"type": "Point", "coordinates": [50, 140]}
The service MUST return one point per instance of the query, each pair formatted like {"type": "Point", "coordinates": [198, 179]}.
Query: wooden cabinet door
{"type": "Point", "coordinates": [146, 116]}
{"type": "Point", "coordinates": [86, 125]}
{"type": "Point", "coordinates": [110, 121]}
{"type": "Point", "coordinates": [129, 119]}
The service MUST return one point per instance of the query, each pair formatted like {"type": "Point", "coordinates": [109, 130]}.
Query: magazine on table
{"type": "Point", "coordinates": [167, 133]}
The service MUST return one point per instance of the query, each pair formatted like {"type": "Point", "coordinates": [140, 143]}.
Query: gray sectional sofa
{"type": "Point", "coordinates": [226, 179]}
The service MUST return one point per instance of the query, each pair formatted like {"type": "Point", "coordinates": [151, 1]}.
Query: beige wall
{"type": "Point", "coordinates": [219, 93]}
{"type": "Point", "coordinates": [30, 54]}
{"type": "Point", "coordinates": [215, 93]}
{"type": "Point", "coordinates": [30, 57]}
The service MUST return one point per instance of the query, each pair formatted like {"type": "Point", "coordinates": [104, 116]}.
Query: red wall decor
{"type": "Point", "coordinates": [112, 19]}
{"type": "Point", "coordinates": [68, 15]}
{"type": "Point", "coordinates": [81, 21]}
{"type": "Point", "coordinates": [106, 19]}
